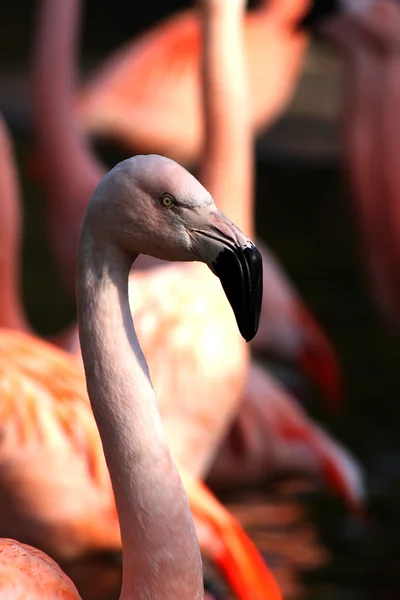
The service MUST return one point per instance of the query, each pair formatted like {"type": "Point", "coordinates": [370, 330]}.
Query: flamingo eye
{"type": "Point", "coordinates": [167, 200]}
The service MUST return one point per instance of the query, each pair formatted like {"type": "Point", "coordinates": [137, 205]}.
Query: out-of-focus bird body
{"type": "Point", "coordinates": [50, 452]}
{"type": "Point", "coordinates": [148, 93]}
{"type": "Point", "coordinates": [26, 572]}
{"type": "Point", "coordinates": [171, 309]}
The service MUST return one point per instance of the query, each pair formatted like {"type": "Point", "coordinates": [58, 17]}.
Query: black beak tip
{"type": "Point", "coordinates": [254, 262]}
{"type": "Point", "coordinates": [241, 275]}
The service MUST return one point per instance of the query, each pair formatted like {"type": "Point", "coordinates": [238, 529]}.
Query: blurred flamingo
{"type": "Point", "coordinates": [70, 176]}
{"type": "Point", "coordinates": [160, 549]}
{"type": "Point", "coordinates": [147, 94]}
{"type": "Point", "coordinates": [11, 309]}
{"type": "Point", "coordinates": [51, 455]}
{"type": "Point", "coordinates": [295, 445]}
{"type": "Point", "coordinates": [51, 458]}
{"type": "Point", "coordinates": [200, 439]}
{"type": "Point", "coordinates": [367, 37]}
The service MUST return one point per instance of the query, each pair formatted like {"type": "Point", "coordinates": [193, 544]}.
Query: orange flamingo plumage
{"type": "Point", "coordinates": [160, 549]}
{"type": "Point", "coordinates": [148, 93]}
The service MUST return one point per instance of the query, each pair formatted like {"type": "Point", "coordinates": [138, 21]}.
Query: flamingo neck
{"type": "Point", "coordinates": [226, 169]}
{"type": "Point", "coordinates": [11, 310]}
{"type": "Point", "coordinates": [61, 144]}
{"type": "Point", "coordinates": [161, 556]}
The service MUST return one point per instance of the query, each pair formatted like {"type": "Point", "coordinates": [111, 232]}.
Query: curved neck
{"type": "Point", "coordinates": [61, 145]}
{"type": "Point", "coordinates": [226, 168]}
{"type": "Point", "coordinates": [161, 556]}
{"type": "Point", "coordinates": [11, 310]}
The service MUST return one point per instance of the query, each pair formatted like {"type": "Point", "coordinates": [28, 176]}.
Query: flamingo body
{"type": "Point", "coordinates": [172, 307]}
{"type": "Point", "coordinates": [280, 438]}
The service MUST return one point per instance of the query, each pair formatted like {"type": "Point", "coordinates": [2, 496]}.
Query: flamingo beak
{"type": "Point", "coordinates": [240, 272]}
{"type": "Point", "coordinates": [236, 261]}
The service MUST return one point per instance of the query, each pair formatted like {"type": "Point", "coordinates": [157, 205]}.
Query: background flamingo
{"type": "Point", "coordinates": [181, 386]}
{"type": "Point", "coordinates": [11, 309]}
{"type": "Point", "coordinates": [159, 546]}
{"type": "Point", "coordinates": [148, 93]}
{"type": "Point", "coordinates": [367, 37]}
{"type": "Point", "coordinates": [51, 458]}
{"type": "Point", "coordinates": [47, 466]}
{"type": "Point", "coordinates": [318, 246]}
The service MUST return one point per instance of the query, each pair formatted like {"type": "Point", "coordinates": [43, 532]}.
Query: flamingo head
{"type": "Point", "coordinates": [149, 204]}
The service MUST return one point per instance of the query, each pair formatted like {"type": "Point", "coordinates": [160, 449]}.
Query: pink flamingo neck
{"type": "Point", "coordinates": [388, 147]}
{"type": "Point", "coordinates": [11, 309]}
{"type": "Point", "coordinates": [161, 557]}
{"type": "Point", "coordinates": [365, 164]}
{"type": "Point", "coordinates": [226, 168]}
{"type": "Point", "coordinates": [61, 144]}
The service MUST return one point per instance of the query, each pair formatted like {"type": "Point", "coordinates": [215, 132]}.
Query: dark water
{"type": "Point", "coordinates": [305, 216]}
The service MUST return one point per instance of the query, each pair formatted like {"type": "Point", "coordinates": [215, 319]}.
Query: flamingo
{"type": "Point", "coordinates": [147, 93]}
{"type": "Point", "coordinates": [11, 310]}
{"type": "Point", "coordinates": [286, 325]}
{"type": "Point", "coordinates": [42, 392]}
{"type": "Point", "coordinates": [72, 172]}
{"type": "Point", "coordinates": [146, 204]}
{"type": "Point", "coordinates": [295, 445]}
{"type": "Point", "coordinates": [51, 456]}
{"type": "Point", "coordinates": [197, 441]}
{"type": "Point", "coordinates": [266, 407]}
{"type": "Point", "coordinates": [49, 391]}
{"type": "Point", "coordinates": [367, 37]}
{"type": "Point", "coordinates": [187, 376]}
